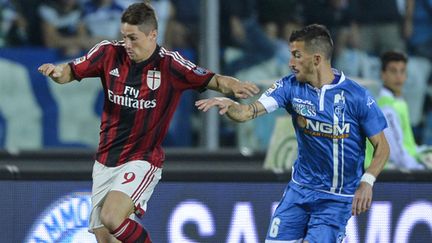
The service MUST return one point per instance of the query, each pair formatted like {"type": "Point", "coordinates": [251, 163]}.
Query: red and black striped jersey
{"type": "Point", "coordinates": [140, 99]}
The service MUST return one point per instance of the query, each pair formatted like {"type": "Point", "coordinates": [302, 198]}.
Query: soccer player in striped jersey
{"type": "Point", "coordinates": [332, 116]}
{"type": "Point", "coordinates": [142, 82]}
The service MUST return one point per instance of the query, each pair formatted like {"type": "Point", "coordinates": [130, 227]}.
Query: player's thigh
{"type": "Point", "coordinates": [328, 221]}
{"type": "Point", "coordinates": [137, 180]}
{"type": "Point", "coordinates": [289, 220]}
{"type": "Point", "coordinates": [102, 183]}
{"type": "Point", "coordinates": [116, 207]}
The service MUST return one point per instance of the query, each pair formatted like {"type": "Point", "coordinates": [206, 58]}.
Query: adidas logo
{"type": "Point", "coordinates": [115, 72]}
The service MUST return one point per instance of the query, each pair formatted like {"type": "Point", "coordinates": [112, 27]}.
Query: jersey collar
{"type": "Point", "coordinates": [150, 59]}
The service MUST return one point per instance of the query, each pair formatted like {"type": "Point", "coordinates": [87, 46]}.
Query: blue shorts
{"type": "Point", "coordinates": [309, 215]}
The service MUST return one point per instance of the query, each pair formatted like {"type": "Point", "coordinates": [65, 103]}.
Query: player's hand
{"type": "Point", "coordinates": [362, 199]}
{"type": "Point", "coordinates": [51, 70]}
{"type": "Point", "coordinates": [221, 102]}
{"type": "Point", "coordinates": [245, 90]}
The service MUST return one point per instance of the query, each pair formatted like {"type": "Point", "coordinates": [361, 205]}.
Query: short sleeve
{"type": "Point", "coordinates": [187, 75]}
{"type": "Point", "coordinates": [90, 65]}
{"type": "Point", "coordinates": [372, 119]}
{"type": "Point", "coordinates": [277, 96]}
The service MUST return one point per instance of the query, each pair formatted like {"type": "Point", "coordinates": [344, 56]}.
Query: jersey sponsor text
{"type": "Point", "coordinates": [322, 129]}
{"type": "Point", "coordinates": [126, 100]}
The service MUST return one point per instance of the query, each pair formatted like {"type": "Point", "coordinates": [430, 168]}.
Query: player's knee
{"type": "Point", "coordinates": [110, 219]}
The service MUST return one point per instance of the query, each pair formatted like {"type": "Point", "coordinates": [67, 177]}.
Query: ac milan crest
{"type": "Point", "coordinates": [153, 79]}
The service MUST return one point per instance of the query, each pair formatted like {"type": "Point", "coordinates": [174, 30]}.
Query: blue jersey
{"type": "Point", "coordinates": [331, 126]}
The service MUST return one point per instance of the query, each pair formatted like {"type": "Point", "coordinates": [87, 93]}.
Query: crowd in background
{"type": "Point", "coordinates": [254, 40]}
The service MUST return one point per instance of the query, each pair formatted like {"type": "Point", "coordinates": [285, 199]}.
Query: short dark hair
{"type": "Point", "coordinates": [316, 37]}
{"type": "Point", "coordinates": [392, 56]}
{"type": "Point", "coordinates": [141, 14]}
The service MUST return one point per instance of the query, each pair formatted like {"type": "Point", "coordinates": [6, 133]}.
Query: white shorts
{"type": "Point", "coordinates": [137, 179]}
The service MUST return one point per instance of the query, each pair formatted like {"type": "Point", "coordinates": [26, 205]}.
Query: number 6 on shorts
{"type": "Point", "coordinates": [274, 229]}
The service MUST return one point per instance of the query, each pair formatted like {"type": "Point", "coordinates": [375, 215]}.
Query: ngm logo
{"type": "Point", "coordinates": [66, 220]}
{"type": "Point", "coordinates": [322, 129]}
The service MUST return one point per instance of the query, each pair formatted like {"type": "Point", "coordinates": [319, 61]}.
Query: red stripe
{"type": "Point", "coordinates": [137, 126]}
{"type": "Point", "coordinates": [144, 181]}
{"type": "Point", "coordinates": [144, 188]}
{"type": "Point", "coordinates": [110, 115]}
{"type": "Point", "coordinates": [136, 234]}
{"type": "Point", "coordinates": [120, 227]}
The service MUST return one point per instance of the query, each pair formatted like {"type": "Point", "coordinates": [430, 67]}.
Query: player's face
{"type": "Point", "coordinates": [138, 45]}
{"type": "Point", "coordinates": [301, 62]}
{"type": "Point", "coordinates": [394, 76]}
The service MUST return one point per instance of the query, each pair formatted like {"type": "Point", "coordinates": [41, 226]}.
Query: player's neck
{"type": "Point", "coordinates": [323, 77]}
{"type": "Point", "coordinates": [146, 55]}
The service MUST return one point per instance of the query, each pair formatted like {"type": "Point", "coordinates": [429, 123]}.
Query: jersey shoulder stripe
{"type": "Point", "coordinates": [178, 58]}
{"type": "Point", "coordinates": [103, 43]}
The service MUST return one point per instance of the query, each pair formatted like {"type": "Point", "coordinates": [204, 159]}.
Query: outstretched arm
{"type": "Point", "coordinates": [234, 110]}
{"type": "Point", "coordinates": [363, 195]}
{"type": "Point", "coordinates": [231, 86]}
{"type": "Point", "coordinates": [61, 73]}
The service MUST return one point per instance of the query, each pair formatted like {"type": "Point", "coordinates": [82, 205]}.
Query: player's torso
{"type": "Point", "coordinates": [139, 102]}
{"type": "Point", "coordinates": [328, 133]}
{"type": "Point", "coordinates": [321, 116]}
{"type": "Point", "coordinates": [135, 87]}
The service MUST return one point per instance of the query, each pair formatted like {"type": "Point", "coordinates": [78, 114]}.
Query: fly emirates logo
{"type": "Point", "coordinates": [130, 99]}
{"type": "Point", "coordinates": [321, 129]}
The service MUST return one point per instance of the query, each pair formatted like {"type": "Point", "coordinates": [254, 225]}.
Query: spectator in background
{"type": "Point", "coordinates": [165, 13]}
{"type": "Point", "coordinates": [63, 28]}
{"type": "Point", "coordinates": [188, 15]}
{"type": "Point", "coordinates": [101, 19]}
{"type": "Point", "coordinates": [243, 33]}
{"type": "Point", "coordinates": [403, 150]}
{"type": "Point", "coordinates": [379, 25]}
{"type": "Point", "coordinates": [13, 25]}
{"type": "Point", "coordinates": [418, 27]}
{"type": "Point", "coordinates": [332, 13]}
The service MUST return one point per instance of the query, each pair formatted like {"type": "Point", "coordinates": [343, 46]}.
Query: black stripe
{"type": "Point", "coordinates": [131, 232]}
{"type": "Point", "coordinates": [167, 104]}
{"type": "Point", "coordinates": [126, 119]}
{"type": "Point", "coordinates": [179, 75]}
{"type": "Point", "coordinates": [147, 120]}
{"type": "Point", "coordinates": [143, 237]}
{"type": "Point", "coordinates": [96, 58]}
{"type": "Point", "coordinates": [107, 104]}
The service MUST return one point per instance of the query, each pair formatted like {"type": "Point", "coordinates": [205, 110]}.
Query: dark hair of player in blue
{"type": "Point", "coordinates": [141, 14]}
{"type": "Point", "coordinates": [392, 56]}
{"type": "Point", "coordinates": [316, 38]}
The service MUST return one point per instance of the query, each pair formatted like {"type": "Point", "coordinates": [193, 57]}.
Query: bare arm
{"type": "Point", "coordinates": [61, 73]}
{"type": "Point", "coordinates": [363, 195]}
{"type": "Point", "coordinates": [381, 154]}
{"type": "Point", "coordinates": [231, 86]}
{"type": "Point", "coordinates": [234, 110]}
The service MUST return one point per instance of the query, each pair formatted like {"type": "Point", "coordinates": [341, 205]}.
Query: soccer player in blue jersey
{"type": "Point", "coordinates": [332, 116]}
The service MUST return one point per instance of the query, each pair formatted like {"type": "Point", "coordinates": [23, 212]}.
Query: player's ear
{"type": "Point", "coordinates": [317, 58]}
{"type": "Point", "coordinates": [154, 34]}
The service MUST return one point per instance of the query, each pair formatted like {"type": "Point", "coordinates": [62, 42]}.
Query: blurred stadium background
{"type": "Point", "coordinates": [214, 187]}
